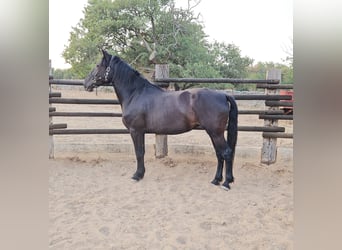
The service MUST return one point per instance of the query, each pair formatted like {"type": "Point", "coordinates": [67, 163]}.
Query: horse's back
{"type": "Point", "coordinates": [209, 99]}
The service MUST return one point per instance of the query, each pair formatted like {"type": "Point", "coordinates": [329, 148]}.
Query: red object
{"type": "Point", "coordinates": [287, 110]}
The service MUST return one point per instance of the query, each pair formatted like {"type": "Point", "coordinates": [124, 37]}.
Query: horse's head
{"type": "Point", "coordinates": [100, 74]}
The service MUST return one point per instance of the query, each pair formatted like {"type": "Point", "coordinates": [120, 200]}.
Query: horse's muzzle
{"type": "Point", "coordinates": [91, 86]}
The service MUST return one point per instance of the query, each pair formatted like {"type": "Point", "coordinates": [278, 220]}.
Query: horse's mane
{"type": "Point", "coordinates": [123, 72]}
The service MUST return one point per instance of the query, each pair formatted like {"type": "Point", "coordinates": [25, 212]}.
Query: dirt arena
{"type": "Point", "coordinates": [93, 203]}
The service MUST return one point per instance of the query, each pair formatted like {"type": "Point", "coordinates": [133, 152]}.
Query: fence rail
{"type": "Point", "coordinates": [215, 80]}
{"type": "Point", "coordinates": [60, 129]}
{"type": "Point", "coordinates": [83, 101]}
{"type": "Point", "coordinates": [272, 100]}
{"type": "Point", "coordinates": [271, 113]}
{"type": "Point", "coordinates": [85, 114]}
{"type": "Point", "coordinates": [179, 80]}
{"type": "Point", "coordinates": [116, 102]}
{"type": "Point", "coordinates": [271, 86]}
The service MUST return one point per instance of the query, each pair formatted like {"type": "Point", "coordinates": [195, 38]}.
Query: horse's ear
{"type": "Point", "coordinates": [106, 55]}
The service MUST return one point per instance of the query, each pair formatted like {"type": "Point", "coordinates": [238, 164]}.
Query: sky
{"type": "Point", "coordinates": [262, 29]}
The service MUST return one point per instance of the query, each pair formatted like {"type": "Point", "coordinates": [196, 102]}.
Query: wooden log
{"type": "Point", "coordinates": [86, 114]}
{"type": "Point", "coordinates": [215, 80]}
{"type": "Point", "coordinates": [269, 145]}
{"type": "Point", "coordinates": [58, 126]}
{"type": "Point", "coordinates": [278, 104]}
{"type": "Point", "coordinates": [272, 86]}
{"type": "Point", "coordinates": [84, 101]}
{"type": "Point", "coordinates": [87, 131]}
{"type": "Point", "coordinates": [60, 130]}
{"type": "Point", "coordinates": [277, 135]}
{"type": "Point", "coordinates": [116, 102]}
{"type": "Point", "coordinates": [260, 129]}
{"type": "Point", "coordinates": [181, 80]}
{"type": "Point", "coordinates": [161, 149]}
{"type": "Point", "coordinates": [55, 94]}
{"type": "Point", "coordinates": [69, 82]}
{"type": "Point", "coordinates": [277, 117]}
{"type": "Point", "coordinates": [254, 129]}
{"type": "Point", "coordinates": [260, 112]}
{"type": "Point", "coordinates": [262, 97]}
{"type": "Point", "coordinates": [52, 112]}
{"type": "Point", "coordinates": [66, 82]}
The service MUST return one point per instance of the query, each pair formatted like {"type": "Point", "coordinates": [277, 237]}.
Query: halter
{"type": "Point", "coordinates": [108, 69]}
{"type": "Point", "coordinates": [107, 73]}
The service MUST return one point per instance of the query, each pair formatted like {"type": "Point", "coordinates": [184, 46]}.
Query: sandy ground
{"type": "Point", "coordinates": [95, 205]}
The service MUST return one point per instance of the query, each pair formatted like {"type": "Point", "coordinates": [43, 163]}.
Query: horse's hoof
{"type": "Point", "coordinates": [225, 186]}
{"type": "Point", "coordinates": [137, 177]}
{"type": "Point", "coordinates": [134, 179]}
{"type": "Point", "coordinates": [215, 182]}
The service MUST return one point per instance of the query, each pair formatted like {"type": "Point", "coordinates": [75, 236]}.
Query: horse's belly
{"type": "Point", "coordinates": [170, 123]}
{"type": "Point", "coordinates": [169, 131]}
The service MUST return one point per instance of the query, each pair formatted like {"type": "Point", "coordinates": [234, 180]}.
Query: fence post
{"type": "Point", "coordinates": [161, 149]}
{"type": "Point", "coordinates": [51, 143]}
{"type": "Point", "coordinates": [269, 145]}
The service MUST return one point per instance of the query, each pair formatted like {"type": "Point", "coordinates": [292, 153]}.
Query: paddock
{"type": "Point", "coordinates": [271, 115]}
{"type": "Point", "coordinates": [94, 204]}
{"type": "Point", "coordinates": [194, 142]}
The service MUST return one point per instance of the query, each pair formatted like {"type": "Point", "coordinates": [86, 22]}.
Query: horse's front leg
{"type": "Point", "coordinates": [139, 147]}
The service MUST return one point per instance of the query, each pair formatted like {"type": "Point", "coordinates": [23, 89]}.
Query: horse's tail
{"type": "Point", "coordinates": [232, 128]}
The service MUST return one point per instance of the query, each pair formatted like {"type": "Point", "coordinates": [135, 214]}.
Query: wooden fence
{"type": "Point", "coordinates": [270, 131]}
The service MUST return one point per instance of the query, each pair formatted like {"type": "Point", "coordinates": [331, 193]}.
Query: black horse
{"type": "Point", "coordinates": [147, 108]}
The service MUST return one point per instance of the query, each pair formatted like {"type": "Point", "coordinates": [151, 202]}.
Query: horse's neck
{"type": "Point", "coordinates": [128, 83]}
{"type": "Point", "coordinates": [126, 90]}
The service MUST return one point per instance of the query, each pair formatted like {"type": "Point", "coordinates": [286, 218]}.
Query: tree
{"type": "Point", "coordinates": [288, 72]}
{"type": "Point", "coordinates": [258, 71]}
{"type": "Point", "coordinates": [145, 32]}
{"type": "Point", "coordinates": [288, 49]}
{"type": "Point", "coordinates": [63, 74]}
{"type": "Point", "coordinates": [228, 60]}
{"type": "Point", "coordinates": [140, 31]}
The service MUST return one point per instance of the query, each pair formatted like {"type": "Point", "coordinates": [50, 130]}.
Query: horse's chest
{"type": "Point", "coordinates": [133, 119]}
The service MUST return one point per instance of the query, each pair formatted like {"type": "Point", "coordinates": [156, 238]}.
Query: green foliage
{"type": "Point", "coordinates": [64, 74]}
{"type": "Point", "coordinates": [228, 61]}
{"type": "Point", "coordinates": [145, 32]}
{"type": "Point", "coordinates": [258, 71]}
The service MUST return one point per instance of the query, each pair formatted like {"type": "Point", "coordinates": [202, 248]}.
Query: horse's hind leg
{"type": "Point", "coordinates": [220, 146]}
{"type": "Point", "coordinates": [218, 176]}
{"type": "Point", "coordinates": [139, 147]}
{"type": "Point", "coordinates": [229, 156]}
